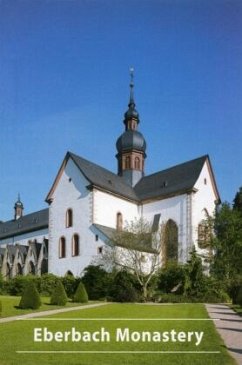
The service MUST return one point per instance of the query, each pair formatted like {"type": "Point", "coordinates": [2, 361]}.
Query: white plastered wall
{"type": "Point", "coordinates": [71, 193]}
{"type": "Point", "coordinates": [174, 208]}
{"type": "Point", "coordinates": [106, 207]}
{"type": "Point", "coordinates": [203, 200]}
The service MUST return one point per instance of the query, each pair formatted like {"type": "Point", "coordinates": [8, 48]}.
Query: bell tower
{"type": "Point", "coordinates": [18, 208]}
{"type": "Point", "coordinates": [131, 144]}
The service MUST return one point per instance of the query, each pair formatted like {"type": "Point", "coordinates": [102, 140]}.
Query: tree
{"type": "Point", "coordinates": [124, 287]}
{"type": "Point", "coordinates": [136, 249]}
{"type": "Point", "coordinates": [194, 278]}
{"type": "Point", "coordinates": [227, 243]}
{"type": "Point", "coordinates": [30, 297]}
{"type": "Point", "coordinates": [238, 201]}
{"type": "Point", "coordinates": [59, 296]}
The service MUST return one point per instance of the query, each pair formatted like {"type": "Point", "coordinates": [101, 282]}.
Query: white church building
{"type": "Point", "coordinates": [87, 203]}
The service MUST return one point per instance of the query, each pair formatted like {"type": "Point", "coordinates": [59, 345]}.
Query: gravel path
{"type": "Point", "coordinates": [50, 312]}
{"type": "Point", "coordinates": [229, 327]}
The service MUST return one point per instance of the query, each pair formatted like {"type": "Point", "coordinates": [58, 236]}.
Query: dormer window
{"type": "Point", "coordinates": [69, 218]}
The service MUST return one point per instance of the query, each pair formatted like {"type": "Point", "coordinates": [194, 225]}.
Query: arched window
{"type": "Point", "coordinates": [8, 271]}
{"type": "Point", "coordinates": [62, 247]}
{"type": "Point", "coordinates": [44, 266]}
{"type": "Point", "coordinates": [171, 242]}
{"type": "Point", "coordinates": [119, 222]}
{"type": "Point", "coordinates": [69, 273]}
{"type": "Point", "coordinates": [204, 234]}
{"type": "Point", "coordinates": [19, 270]}
{"type": "Point", "coordinates": [137, 163]}
{"type": "Point", "coordinates": [31, 268]}
{"type": "Point", "coordinates": [127, 162]}
{"type": "Point", "coordinates": [69, 218]}
{"type": "Point", "coordinates": [75, 245]}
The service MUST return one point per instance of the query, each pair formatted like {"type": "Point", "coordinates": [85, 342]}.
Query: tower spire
{"type": "Point", "coordinates": [131, 144]}
{"type": "Point", "coordinates": [131, 85]}
{"type": "Point", "coordinates": [131, 117]}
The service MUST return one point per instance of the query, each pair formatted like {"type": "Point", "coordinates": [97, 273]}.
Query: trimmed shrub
{"type": "Point", "coordinates": [30, 297]}
{"type": "Point", "coordinates": [58, 296]}
{"type": "Point", "coordinates": [80, 295]}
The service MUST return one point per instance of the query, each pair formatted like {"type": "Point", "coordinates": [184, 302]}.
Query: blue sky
{"type": "Point", "coordinates": [64, 85]}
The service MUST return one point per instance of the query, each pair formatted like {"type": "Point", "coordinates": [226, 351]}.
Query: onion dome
{"type": "Point", "coordinates": [131, 140]}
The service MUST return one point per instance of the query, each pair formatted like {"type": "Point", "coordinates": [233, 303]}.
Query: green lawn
{"type": "Point", "coordinates": [10, 306]}
{"type": "Point", "coordinates": [18, 336]}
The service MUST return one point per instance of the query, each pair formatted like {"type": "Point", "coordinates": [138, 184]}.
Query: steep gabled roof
{"type": "Point", "coordinates": [23, 249]}
{"type": "Point", "coordinates": [103, 178]}
{"type": "Point", "coordinates": [179, 179]}
{"type": "Point", "coordinates": [99, 177]}
{"type": "Point", "coordinates": [27, 223]}
{"type": "Point", "coordinates": [175, 180]}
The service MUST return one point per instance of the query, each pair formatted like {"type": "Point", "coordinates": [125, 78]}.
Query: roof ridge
{"type": "Point", "coordinates": [93, 163]}
{"type": "Point", "coordinates": [25, 216]}
{"type": "Point", "coordinates": [175, 166]}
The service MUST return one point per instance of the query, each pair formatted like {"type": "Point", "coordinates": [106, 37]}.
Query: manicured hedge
{"type": "Point", "coordinates": [30, 297]}
{"type": "Point", "coordinates": [80, 295]}
{"type": "Point", "coordinates": [59, 296]}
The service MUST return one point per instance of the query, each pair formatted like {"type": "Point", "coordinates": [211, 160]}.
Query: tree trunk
{"type": "Point", "coordinates": [145, 291]}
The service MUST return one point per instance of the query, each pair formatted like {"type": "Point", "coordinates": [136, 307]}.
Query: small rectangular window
{"type": "Point", "coordinates": [96, 237]}
{"type": "Point", "coordinates": [100, 250]}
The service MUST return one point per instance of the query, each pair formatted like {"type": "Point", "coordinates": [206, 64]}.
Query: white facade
{"type": "Point", "coordinates": [96, 206]}
{"type": "Point", "coordinates": [71, 193]}
{"type": "Point", "coordinates": [107, 206]}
